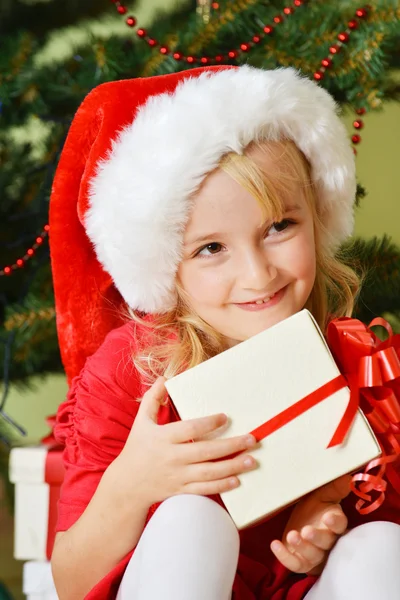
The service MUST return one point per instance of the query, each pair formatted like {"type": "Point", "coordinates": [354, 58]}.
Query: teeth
{"type": "Point", "coordinates": [263, 301]}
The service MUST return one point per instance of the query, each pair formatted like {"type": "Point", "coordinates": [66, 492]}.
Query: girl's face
{"type": "Point", "coordinates": [234, 259]}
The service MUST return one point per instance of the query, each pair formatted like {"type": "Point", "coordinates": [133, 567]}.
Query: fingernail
{"type": "Point", "coordinates": [330, 520]}
{"type": "Point", "coordinates": [308, 535]}
{"type": "Point", "coordinates": [250, 440]}
{"type": "Point", "coordinates": [248, 462]}
{"type": "Point", "coordinates": [275, 546]}
{"type": "Point", "coordinates": [233, 482]}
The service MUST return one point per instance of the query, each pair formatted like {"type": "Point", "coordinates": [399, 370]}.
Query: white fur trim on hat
{"type": "Point", "coordinates": [140, 195]}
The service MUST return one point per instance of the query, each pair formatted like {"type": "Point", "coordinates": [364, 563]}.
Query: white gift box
{"type": "Point", "coordinates": [253, 382]}
{"type": "Point", "coordinates": [38, 581]}
{"type": "Point", "coordinates": [37, 484]}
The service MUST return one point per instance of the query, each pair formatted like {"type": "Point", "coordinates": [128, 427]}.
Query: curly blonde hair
{"type": "Point", "coordinates": [180, 339]}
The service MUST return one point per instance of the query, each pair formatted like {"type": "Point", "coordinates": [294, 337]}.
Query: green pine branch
{"type": "Point", "coordinates": [378, 259]}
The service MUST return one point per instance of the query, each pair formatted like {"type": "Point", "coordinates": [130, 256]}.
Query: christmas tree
{"type": "Point", "coordinates": [350, 49]}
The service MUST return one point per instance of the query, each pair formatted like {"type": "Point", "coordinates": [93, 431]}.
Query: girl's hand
{"type": "Point", "coordinates": [159, 461]}
{"type": "Point", "coordinates": [313, 528]}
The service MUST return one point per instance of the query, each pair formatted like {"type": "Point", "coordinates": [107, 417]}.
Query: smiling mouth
{"type": "Point", "coordinates": [261, 301]}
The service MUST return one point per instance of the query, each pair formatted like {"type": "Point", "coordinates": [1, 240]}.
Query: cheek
{"type": "Point", "coordinates": [305, 259]}
{"type": "Point", "coordinates": [204, 285]}
{"type": "Point", "coordinates": [300, 258]}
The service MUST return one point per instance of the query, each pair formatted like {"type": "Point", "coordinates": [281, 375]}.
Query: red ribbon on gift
{"type": "Point", "coordinates": [371, 369]}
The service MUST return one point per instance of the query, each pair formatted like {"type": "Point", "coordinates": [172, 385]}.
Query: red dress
{"type": "Point", "coordinates": [94, 422]}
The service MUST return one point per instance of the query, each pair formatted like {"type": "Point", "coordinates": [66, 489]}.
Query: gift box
{"type": "Point", "coordinates": [37, 581]}
{"type": "Point", "coordinates": [283, 386]}
{"type": "Point", "coordinates": [37, 473]}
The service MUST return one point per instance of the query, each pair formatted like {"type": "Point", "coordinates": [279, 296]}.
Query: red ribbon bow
{"type": "Point", "coordinates": [372, 370]}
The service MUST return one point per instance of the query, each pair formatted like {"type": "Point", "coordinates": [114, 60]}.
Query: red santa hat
{"type": "Point", "coordinates": [136, 152]}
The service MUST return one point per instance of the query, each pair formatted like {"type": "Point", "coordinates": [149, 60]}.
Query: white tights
{"type": "Point", "coordinates": [190, 549]}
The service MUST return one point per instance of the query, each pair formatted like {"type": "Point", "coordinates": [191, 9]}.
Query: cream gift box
{"type": "Point", "coordinates": [253, 382]}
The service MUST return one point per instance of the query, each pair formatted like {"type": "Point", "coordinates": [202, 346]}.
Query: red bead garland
{"type": "Point", "coordinates": [343, 38]}
{"type": "Point", "coordinates": [20, 262]}
{"type": "Point", "coordinates": [205, 60]}
{"type": "Point", "coordinates": [131, 21]}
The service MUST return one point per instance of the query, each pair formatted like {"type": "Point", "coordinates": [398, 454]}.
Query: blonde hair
{"type": "Point", "coordinates": [180, 339]}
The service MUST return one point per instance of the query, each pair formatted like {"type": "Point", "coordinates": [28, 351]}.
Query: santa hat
{"type": "Point", "coordinates": [136, 152]}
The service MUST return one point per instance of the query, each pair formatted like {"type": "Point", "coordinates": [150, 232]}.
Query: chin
{"type": "Point", "coordinates": [245, 333]}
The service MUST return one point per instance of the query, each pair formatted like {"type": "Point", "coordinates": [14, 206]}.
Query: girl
{"type": "Point", "coordinates": [210, 203]}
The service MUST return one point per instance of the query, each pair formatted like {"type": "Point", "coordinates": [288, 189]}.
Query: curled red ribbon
{"type": "Point", "coordinates": [371, 369]}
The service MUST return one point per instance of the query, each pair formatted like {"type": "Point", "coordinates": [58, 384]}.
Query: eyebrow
{"type": "Point", "coordinates": [217, 234]}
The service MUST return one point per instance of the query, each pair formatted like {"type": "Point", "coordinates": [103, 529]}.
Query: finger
{"type": "Point", "coordinates": [335, 520]}
{"type": "Point", "coordinates": [322, 538]}
{"type": "Point", "coordinates": [310, 553]}
{"type": "Point", "coordinates": [211, 450]}
{"type": "Point", "coordinates": [209, 471]}
{"type": "Point", "coordinates": [208, 488]}
{"type": "Point", "coordinates": [192, 429]}
{"type": "Point", "coordinates": [152, 399]}
{"type": "Point", "coordinates": [336, 490]}
{"type": "Point", "coordinates": [289, 560]}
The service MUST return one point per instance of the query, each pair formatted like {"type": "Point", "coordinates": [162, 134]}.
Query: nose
{"type": "Point", "coordinates": [256, 271]}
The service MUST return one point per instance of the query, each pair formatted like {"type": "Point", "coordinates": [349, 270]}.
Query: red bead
{"type": "Point", "coordinates": [164, 50]}
{"type": "Point", "coordinates": [298, 2]}
{"type": "Point", "coordinates": [256, 39]}
{"type": "Point", "coordinates": [334, 49]}
{"type": "Point", "coordinates": [288, 10]}
{"type": "Point", "coordinates": [344, 37]}
{"type": "Point", "coordinates": [244, 47]}
{"type": "Point", "coordinates": [7, 270]}
{"type": "Point", "coordinates": [361, 111]}
{"type": "Point", "coordinates": [219, 58]}
{"type": "Point", "coordinates": [141, 32]}
{"type": "Point", "coordinates": [268, 29]}
{"type": "Point", "coordinates": [190, 59]}
{"type": "Point", "coordinates": [353, 24]}
{"type": "Point", "coordinates": [131, 21]}
{"type": "Point", "coordinates": [326, 62]}
{"type": "Point", "coordinates": [232, 54]}
{"type": "Point", "coordinates": [39, 240]}
{"type": "Point", "coordinates": [204, 60]}
{"type": "Point", "coordinates": [152, 42]}
{"type": "Point", "coordinates": [318, 75]}
{"type": "Point", "coordinates": [356, 139]}
{"type": "Point", "coordinates": [177, 56]}
{"type": "Point", "coordinates": [20, 262]}
{"type": "Point", "coordinates": [358, 124]}
{"type": "Point", "coordinates": [278, 19]}
{"type": "Point", "coordinates": [361, 13]}
{"type": "Point", "coordinates": [46, 227]}
{"type": "Point", "coordinates": [121, 9]}
{"type": "Point", "coordinates": [30, 252]}
{"type": "Point", "coordinates": [215, 5]}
